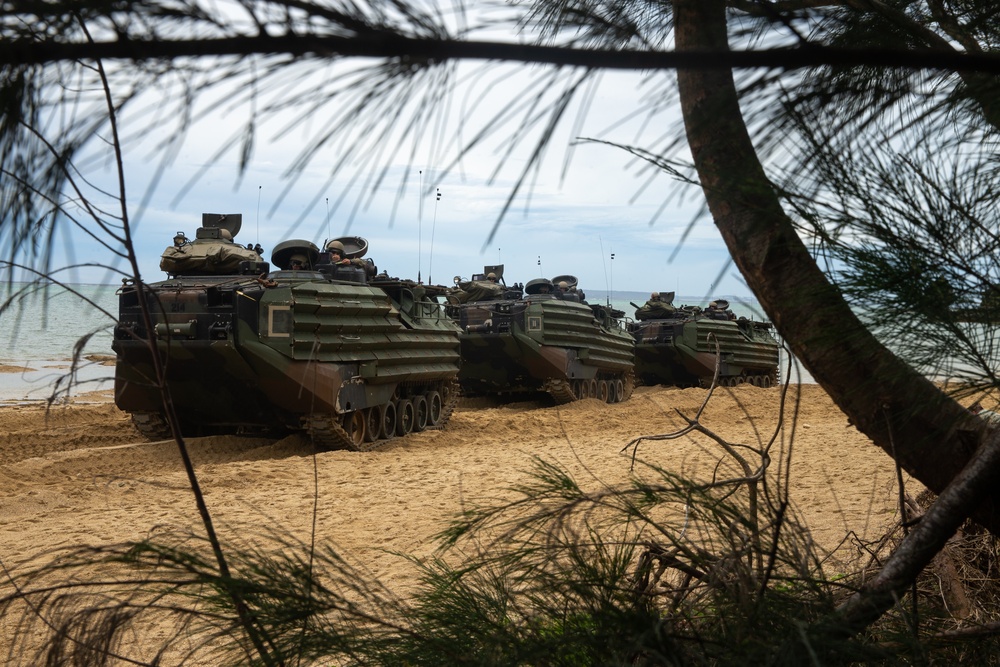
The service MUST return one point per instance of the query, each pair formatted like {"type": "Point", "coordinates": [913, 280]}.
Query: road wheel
{"type": "Point", "coordinates": [388, 429]}
{"type": "Point", "coordinates": [420, 416]}
{"type": "Point", "coordinates": [354, 424]}
{"type": "Point", "coordinates": [373, 423]}
{"type": "Point", "coordinates": [434, 407]}
{"type": "Point", "coordinates": [612, 395]}
{"type": "Point", "coordinates": [404, 417]}
{"type": "Point", "coordinates": [602, 391]}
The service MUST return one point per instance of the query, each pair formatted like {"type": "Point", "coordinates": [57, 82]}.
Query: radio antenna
{"type": "Point", "coordinates": [329, 233]}
{"type": "Point", "coordinates": [430, 265]}
{"type": "Point", "coordinates": [259, 187]}
{"type": "Point", "coordinates": [607, 283]}
{"type": "Point", "coordinates": [420, 217]}
{"type": "Point", "coordinates": [612, 271]}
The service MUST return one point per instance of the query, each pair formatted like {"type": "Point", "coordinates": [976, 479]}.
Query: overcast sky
{"type": "Point", "coordinates": [569, 220]}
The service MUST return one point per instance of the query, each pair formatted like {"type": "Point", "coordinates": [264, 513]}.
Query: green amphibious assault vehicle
{"type": "Point", "coordinates": [321, 345]}
{"type": "Point", "coordinates": [678, 345]}
{"type": "Point", "coordinates": [541, 336]}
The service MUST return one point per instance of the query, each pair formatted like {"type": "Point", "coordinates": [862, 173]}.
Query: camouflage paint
{"type": "Point", "coordinates": [241, 352]}
{"type": "Point", "coordinates": [516, 345]}
{"type": "Point", "coordinates": [682, 350]}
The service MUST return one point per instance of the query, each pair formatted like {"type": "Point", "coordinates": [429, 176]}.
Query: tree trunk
{"type": "Point", "coordinates": [930, 435]}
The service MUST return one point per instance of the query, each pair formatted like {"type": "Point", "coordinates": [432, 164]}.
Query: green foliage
{"type": "Point", "coordinates": [910, 242]}
{"type": "Point", "coordinates": [663, 571]}
{"type": "Point", "coordinates": [561, 576]}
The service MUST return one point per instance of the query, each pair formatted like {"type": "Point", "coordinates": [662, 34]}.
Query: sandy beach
{"type": "Point", "coordinates": [81, 474]}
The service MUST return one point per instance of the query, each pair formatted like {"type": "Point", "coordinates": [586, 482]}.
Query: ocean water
{"type": "Point", "coordinates": [43, 328]}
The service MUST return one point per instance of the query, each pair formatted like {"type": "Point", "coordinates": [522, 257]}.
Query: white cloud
{"type": "Point", "coordinates": [571, 218]}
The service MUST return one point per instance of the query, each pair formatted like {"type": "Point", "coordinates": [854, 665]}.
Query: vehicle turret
{"type": "Point", "coordinates": [213, 250]}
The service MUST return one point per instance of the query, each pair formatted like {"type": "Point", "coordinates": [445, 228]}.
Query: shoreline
{"type": "Point", "coordinates": [35, 380]}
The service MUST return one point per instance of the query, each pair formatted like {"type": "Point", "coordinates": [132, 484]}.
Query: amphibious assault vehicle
{"type": "Point", "coordinates": [677, 346]}
{"type": "Point", "coordinates": [332, 349]}
{"type": "Point", "coordinates": [538, 337]}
